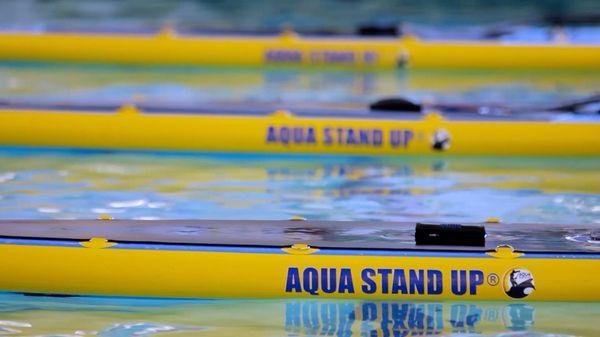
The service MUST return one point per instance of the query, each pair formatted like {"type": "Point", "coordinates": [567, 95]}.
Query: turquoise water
{"type": "Point", "coordinates": [189, 86]}
{"type": "Point", "coordinates": [325, 16]}
{"type": "Point", "coordinates": [60, 185]}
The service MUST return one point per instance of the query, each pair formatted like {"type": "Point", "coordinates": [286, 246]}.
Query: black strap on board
{"type": "Point", "coordinates": [450, 235]}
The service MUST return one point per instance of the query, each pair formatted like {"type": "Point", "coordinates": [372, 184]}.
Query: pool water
{"type": "Point", "coordinates": [23, 316]}
{"type": "Point", "coordinates": [83, 84]}
{"type": "Point", "coordinates": [61, 185]}
{"type": "Point", "coordinates": [437, 17]}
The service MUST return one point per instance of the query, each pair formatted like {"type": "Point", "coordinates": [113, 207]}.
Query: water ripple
{"type": "Point", "coordinates": [61, 185]}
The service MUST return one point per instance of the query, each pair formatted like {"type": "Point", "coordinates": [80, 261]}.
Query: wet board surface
{"type": "Point", "coordinates": [559, 238]}
{"type": "Point", "coordinates": [255, 109]}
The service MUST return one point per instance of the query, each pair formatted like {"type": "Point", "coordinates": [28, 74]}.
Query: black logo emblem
{"type": "Point", "coordinates": [441, 140]}
{"type": "Point", "coordinates": [518, 283]}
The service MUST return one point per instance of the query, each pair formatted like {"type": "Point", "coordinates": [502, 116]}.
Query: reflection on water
{"type": "Point", "coordinates": [86, 184]}
{"type": "Point", "coordinates": [172, 86]}
{"type": "Point", "coordinates": [25, 316]}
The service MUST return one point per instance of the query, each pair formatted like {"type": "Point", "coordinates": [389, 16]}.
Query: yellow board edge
{"type": "Point", "coordinates": [176, 271]}
{"type": "Point", "coordinates": [168, 48]}
{"type": "Point", "coordinates": [283, 132]}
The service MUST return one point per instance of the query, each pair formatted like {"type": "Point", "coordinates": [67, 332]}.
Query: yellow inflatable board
{"type": "Point", "coordinates": [288, 48]}
{"type": "Point", "coordinates": [301, 259]}
{"type": "Point", "coordinates": [356, 133]}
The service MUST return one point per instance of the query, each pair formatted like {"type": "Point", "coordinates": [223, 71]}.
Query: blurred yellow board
{"type": "Point", "coordinates": [288, 48]}
{"type": "Point", "coordinates": [283, 132]}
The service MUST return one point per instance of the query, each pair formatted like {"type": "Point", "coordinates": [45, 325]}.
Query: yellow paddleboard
{"type": "Point", "coordinates": [291, 49]}
{"type": "Point", "coordinates": [301, 259]}
{"type": "Point", "coordinates": [321, 132]}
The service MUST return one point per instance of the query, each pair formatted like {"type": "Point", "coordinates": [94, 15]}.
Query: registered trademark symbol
{"type": "Point", "coordinates": [492, 279]}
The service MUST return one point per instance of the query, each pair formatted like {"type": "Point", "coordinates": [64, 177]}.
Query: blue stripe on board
{"type": "Point", "coordinates": [146, 246]}
{"type": "Point", "coordinates": [276, 250]}
{"type": "Point", "coordinates": [21, 150]}
{"type": "Point", "coordinates": [201, 248]}
{"type": "Point", "coordinates": [415, 253]}
{"type": "Point", "coordinates": [96, 302]}
{"type": "Point", "coordinates": [39, 242]}
{"type": "Point", "coordinates": [407, 253]}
